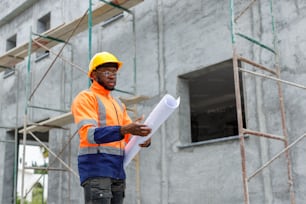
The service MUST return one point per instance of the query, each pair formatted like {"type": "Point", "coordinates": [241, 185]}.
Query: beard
{"type": "Point", "coordinates": [102, 83]}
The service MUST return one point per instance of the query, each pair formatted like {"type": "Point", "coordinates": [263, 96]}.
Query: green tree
{"type": "Point", "coordinates": [38, 194]}
{"type": "Point", "coordinates": [18, 201]}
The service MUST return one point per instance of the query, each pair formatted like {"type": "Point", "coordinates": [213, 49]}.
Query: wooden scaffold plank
{"type": "Point", "coordinates": [55, 122]}
{"type": "Point", "coordinates": [62, 32]}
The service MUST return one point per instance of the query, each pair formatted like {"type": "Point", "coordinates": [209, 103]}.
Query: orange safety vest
{"type": "Point", "coordinates": [99, 117]}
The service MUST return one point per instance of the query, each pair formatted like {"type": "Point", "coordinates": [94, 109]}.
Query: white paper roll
{"type": "Point", "coordinates": [159, 115]}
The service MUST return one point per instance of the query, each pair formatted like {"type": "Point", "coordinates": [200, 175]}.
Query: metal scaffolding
{"type": "Point", "coordinates": [45, 41]}
{"type": "Point", "coordinates": [275, 71]}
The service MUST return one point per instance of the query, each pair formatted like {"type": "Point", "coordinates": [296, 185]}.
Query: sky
{"type": "Point", "coordinates": [33, 154]}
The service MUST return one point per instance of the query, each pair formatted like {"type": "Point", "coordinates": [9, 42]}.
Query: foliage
{"type": "Point", "coordinates": [18, 201]}
{"type": "Point", "coordinates": [40, 171]}
{"type": "Point", "coordinates": [44, 152]}
{"type": "Point", "coordinates": [38, 194]}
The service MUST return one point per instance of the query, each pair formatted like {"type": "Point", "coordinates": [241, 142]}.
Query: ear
{"type": "Point", "coordinates": [93, 75]}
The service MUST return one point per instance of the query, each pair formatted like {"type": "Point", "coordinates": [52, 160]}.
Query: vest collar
{"type": "Point", "coordinates": [97, 88]}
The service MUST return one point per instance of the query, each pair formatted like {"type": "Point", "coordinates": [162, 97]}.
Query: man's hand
{"type": "Point", "coordinates": [136, 128]}
{"type": "Point", "coordinates": [147, 143]}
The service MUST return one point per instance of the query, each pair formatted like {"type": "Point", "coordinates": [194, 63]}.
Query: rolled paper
{"type": "Point", "coordinates": [156, 118]}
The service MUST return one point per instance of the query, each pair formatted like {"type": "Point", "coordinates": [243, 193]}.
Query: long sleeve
{"type": "Point", "coordinates": [107, 134]}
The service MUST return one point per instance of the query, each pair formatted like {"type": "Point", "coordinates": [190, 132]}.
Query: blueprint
{"type": "Point", "coordinates": [156, 118]}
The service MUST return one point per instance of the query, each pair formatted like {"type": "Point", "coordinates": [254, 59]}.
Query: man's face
{"type": "Point", "coordinates": [106, 77]}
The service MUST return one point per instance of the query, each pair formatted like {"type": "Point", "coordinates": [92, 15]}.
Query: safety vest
{"type": "Point", "coordinates": [98, 117]}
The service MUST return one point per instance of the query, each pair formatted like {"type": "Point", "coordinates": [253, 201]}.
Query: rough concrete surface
{"type": "Point", "coordinates": [172, 38]}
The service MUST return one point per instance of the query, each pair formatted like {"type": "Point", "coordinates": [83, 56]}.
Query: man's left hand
{"type": "Point", "coordinates": [147, 143]}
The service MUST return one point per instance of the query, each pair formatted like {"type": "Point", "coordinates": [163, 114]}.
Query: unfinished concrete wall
{"type": "Point", "coordinates": [292, 47]}
{"type": "Point", "coordinates": [7, 170]}
{"type": "Point", "coordinates": [174, 38]}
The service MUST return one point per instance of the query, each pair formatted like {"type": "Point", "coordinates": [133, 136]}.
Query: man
{"type": "Point", "coordinates": [104, 129]}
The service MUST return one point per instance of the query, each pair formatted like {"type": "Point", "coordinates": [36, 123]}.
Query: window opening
{"type": "Point", "coordinates": [212, 102]}
{"type": "Point", "coordinates": [11, 42]}
{"type": "Point", "coordinates": [43, 24]}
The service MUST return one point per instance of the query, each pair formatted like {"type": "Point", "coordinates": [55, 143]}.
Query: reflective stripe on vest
{"type": "Point", "coordinates": [91, 131]}
{"type": "Point", "coordinates": [102, 113]}
{"type": "Point", "coordinates": [100, 149]}
{"type": "Point", "coordinates": [86, 122]}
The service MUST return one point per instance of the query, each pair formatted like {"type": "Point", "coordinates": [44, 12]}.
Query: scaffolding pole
{"type": "Point", "coordinates": [276, 77]}
{"type": "Point", "coordinates": [26, 114]}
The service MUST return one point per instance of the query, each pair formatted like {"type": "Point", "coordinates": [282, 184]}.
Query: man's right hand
{"type": "Point", "coordinates": [136, 128]}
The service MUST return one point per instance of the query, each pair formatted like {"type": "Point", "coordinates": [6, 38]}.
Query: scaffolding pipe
{"type": "Point", "coordinates": [61, 57]}
{"type": "Point", "coordinates": [262, 134]}
{"type": "Point", "coordinates": [28, 191]}
{"type": "Point", "coordinates": [7, 141]}
{"type": "Point", "coordinates": [51, 109]}
{"type": "Point", "coordinates": [232, 22]}
{"type": "Point", "coordinates": [282, 107]}
{"type": "Point", "coordinates": [89, 35]}
{"type": "Point", "coordinates": [244, 10]}
{"type": "Point", "coordinates": [7, 127]}
{"type": "Point", "coordinates": [239, 106]}
{"type": "Point", "coordinates": [28, 84]}
{"type": "Point", "coordinates": [135, 53]}
{"type": "Point", "coordinates": [256, 42]}
{"type": "Point", "coordinates": [273, 78]}
{"type": "Point", "coordinates": [276, 156]}
{"type": "Point", "coordinates": [240, 127]}
{"type": "Point", "coordinates": [243, 59]}
{"type": "Point", "coordinates": [16, 150]}
{"type": "Point", "coordinates": [117, 6]}
{"type": "Point", "coordinates": [69, 163]}
{"type": "Point", "coordinates": [44, 168]}
{"type": "Point", "coordinates": [49, 150]}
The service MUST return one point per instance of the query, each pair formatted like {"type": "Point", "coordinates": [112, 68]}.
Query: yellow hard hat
{"type": "Point", "coordinates": [102, 58]}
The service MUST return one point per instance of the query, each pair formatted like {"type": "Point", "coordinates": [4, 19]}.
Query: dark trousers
{"type": "Point", "coordinates": [104, 191]}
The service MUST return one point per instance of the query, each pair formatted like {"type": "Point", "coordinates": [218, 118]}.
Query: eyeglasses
{"type": "Point", "coordinates": [107, 73]}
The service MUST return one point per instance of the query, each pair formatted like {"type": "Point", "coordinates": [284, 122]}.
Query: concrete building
{"type": "Point", "coordinates": [185, 49]}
